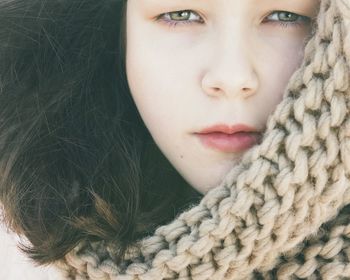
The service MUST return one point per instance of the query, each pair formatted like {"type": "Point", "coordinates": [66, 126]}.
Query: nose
{"type": "Point", "coordinates": [232, 72]}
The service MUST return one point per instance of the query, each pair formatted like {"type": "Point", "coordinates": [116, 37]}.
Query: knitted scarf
{"type": "Point", "coordinates": [284, 211]}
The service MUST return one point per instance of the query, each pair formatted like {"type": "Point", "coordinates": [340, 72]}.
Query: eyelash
{"type": "Point", "coordinates": [285, 24]}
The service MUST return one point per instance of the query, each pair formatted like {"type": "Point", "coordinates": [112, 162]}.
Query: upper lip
{"type": "Point", "coordinates": [228, 129]}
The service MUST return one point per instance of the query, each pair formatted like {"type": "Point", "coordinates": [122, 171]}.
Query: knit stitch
{"type": "Point", "coordinates": [282, 212]}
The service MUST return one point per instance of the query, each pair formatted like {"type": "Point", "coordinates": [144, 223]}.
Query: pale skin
{"type": "Point", "coordinates": [230, 67]}
{"type": "Point", "coordinates": [226, 61]}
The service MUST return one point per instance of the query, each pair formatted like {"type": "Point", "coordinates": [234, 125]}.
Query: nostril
{"type": "Point", "coordinates": [215, 91]}
{"type": "Point", "coordinates": [247, 91]}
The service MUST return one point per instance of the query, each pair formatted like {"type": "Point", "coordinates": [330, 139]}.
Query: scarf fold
{"type": "Point", "coordinates": [282, 212]}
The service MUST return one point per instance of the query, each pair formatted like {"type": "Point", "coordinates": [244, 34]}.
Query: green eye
{"type": "Point", "coordinates": [288, 19]}
{"type": "Point", "coordinates": [180, 15]}
{"type": "Point", "coordinates": [287, 16]}
{"type": "Point", "coordinates": [180, 18]}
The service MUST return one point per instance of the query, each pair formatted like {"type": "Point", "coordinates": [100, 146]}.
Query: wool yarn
{"type": "Point", "coordinates": [283, 212]}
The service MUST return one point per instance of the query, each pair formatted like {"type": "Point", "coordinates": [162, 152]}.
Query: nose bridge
{"type": "Point", "coordinates": [232, 69]}
{"type": "Point", "coordinates": [232, 42]}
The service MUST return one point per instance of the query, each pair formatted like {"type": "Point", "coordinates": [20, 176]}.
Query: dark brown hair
{"type": "Point", "coordinates": [76, 160]}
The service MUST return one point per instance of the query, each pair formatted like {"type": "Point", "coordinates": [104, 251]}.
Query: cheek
{"type": "Point", "coordinates": [158, 76]}
{"type": "Point", "coordinates": [277, 63]}
{"type": "Point", "coordinates": [153, 86]}
{"type": "Point", "coordinates": [281, 61]}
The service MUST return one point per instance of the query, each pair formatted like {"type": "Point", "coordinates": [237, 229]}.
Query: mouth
{"type": "Point", "coordinates": [229, 139]}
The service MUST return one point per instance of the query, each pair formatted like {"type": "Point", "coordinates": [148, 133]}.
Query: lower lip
{"type": "Point", "coordinates": [230, 143]}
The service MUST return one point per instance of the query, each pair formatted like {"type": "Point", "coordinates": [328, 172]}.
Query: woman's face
{"type": "Point", "coordinates": [192, 64]}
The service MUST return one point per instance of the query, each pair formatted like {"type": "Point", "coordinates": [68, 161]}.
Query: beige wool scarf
{"type": "Point", "coordinates": [284, 211]}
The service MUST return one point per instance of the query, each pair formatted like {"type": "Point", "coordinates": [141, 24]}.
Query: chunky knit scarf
{"type": "Point", "coordinates": [284, 211]}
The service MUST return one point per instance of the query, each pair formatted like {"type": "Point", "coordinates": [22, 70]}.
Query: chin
{"type": "Point", "coordinates": [204, 189]}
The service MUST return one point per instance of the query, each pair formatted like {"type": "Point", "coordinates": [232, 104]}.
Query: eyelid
{"type": "Point", "coordinates": [301, 20]}
{"type": "Point", "coordinates": [161, 16]}
{"type": "Point", "coordinates": [302, 17]}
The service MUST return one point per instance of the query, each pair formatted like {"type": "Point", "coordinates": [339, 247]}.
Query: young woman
{"type": "Point", "coordinates": [117, 116]}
